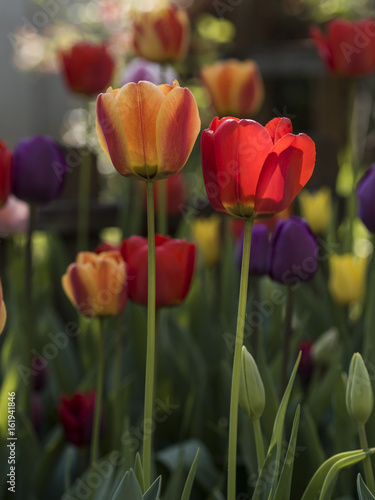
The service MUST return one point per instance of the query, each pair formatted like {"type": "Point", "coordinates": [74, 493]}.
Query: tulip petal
{"type": "Point", "coordinates": [240, 149]}
{"type": "Point", "coordinates": [84, 288]}
{"type": "Point", "coordinates": [278, 127]}
{"type": "Point", "coordinates": [139, 105]}
{"type": "Point", "coordinates": [178, 119]}
{"type": "Point", "coordinates": [111, 133]}
{"type": "Point", "coordinates": [185, 253]}
{"type": "Point", "coordinates": [321, 43]}
{"type": "Point", "coordinates": [286, 170]}
{"type": "Point", "coordinates": [211, 181]}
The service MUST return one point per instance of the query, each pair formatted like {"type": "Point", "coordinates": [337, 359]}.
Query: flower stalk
{"type": "Point", "coordinates": [233, 416]}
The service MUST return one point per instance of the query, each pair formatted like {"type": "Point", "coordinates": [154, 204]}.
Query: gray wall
{"type": "Point", "coordinates": [30, 103]}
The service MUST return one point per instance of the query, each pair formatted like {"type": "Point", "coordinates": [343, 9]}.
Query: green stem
{"type": "Point", "coordinates": [161, 187]}
{"type": "Point", "coordinates": [259, 443]}
{"type": "Point", "coordinates": [84, 200]}
{"type": "Point", "coordinates": [233, 415]}
{"type": "Point", "coordinates": [29, 307]}
{"type": "Point", "coordinates": [369, 474]}
{"type": "Point", "coordinates": [99, 394]}
{"type": "Point", "coordinates": [150, 355]}
{"type": "Point", "coordinates": [354, 157]}
{"type": "Point", "coordinates": [287, 339]}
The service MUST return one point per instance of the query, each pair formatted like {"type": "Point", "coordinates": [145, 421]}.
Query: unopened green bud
{"type": "Point", "coordinates": [359, 396]}
{"type": "Point", "coordinates": [252, 397]}
{"type": "Point", "coordinates": [325, 347]}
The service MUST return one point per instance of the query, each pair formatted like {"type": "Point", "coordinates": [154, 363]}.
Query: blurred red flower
{"type": "Point", "coordinates": [175, 263]}
{"type": "Point", "coordinates": [87, 68]}
{"type": "Point", "coordinates": [348, 48]}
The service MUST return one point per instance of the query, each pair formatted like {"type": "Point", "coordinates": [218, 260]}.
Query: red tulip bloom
{"type": "Point", "coordinates": [348, 48]}
{"type": "Point", "coordinates": [76, 415]}
{"type": "Point", "coordinates": [87, 67]}
{"type": "Point", "coordinates": [5, 172]}
{"type": "Point", "coordinates": [254, 171]}
{"type": "Point", "coordinates": [175, 262]}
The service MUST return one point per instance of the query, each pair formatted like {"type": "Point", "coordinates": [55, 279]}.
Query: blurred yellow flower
{"type": "Point", "coordinates": [316, 208]}
{"type": "Point", "coordinates": [206, 233]}
{"type": "Point", "coordinates": [347, 278]}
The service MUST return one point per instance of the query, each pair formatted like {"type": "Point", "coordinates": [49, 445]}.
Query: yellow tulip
{"type": "Point", "coordinates": [316, 208]}
{"type": "Point", "coordinates": [206, 233]}
{"type": "Point", "coordinates": [347, 278]}
{"type": "Point", "coordinates": [96, 283]}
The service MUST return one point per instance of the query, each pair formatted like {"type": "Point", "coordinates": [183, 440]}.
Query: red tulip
{"type": "Point", "coordinates": [76, 415]}
{"type": "Point", "coordinates": [254, 171]}
{"type": "Point", "coordinates": [175, 262]}
{"type": "Point", "coordinates": [5, 172]}
{"type": "Point", "coordinates": [87, 67]}
{"type": "Point", "coordinates": [348, 48]}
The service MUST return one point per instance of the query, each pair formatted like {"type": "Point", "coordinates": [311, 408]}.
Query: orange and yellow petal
{"type": "Point", "coordinates": [178, 118]}
{"type": "Point", "coordinates": [139, 105]}
{"type": "Point", "coordinates": [111, 132]}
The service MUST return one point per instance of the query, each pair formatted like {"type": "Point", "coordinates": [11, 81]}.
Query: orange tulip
{"type": "Point", "coordinates": [3, 311]}
{"type": "Point", "coordinates": [235, 87]}
{"type": "Point", "coordinates": [96, 284]}
{"type": "Point", "coordinates": [147, 131]}
{"type": "Point", "coordinates": [161, 35]}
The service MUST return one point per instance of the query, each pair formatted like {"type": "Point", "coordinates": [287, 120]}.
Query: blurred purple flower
{"type": "Point", "coordinates": [39, 168]}
{"type": "Point", "coordinates": [293, 252]}
{"type": "Point", "coordinates": [259, 250]}
{"type": "Point", "coordinates": [366, 199]}
{"type": "Point", "coordinates": [140, 69]}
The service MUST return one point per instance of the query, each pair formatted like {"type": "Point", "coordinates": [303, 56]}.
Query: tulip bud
{"type": "Point", "coordinates": [359, 396]}
{"type": "Point", "coordinates": [325, 347]}
{"type": "Point", "coordinates": [252, 396]}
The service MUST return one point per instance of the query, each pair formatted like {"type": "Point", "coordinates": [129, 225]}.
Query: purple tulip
{"type": "Point", "coordinates": [293, 252]}
{"type": "Point", "coordinates": [39, 168]}
{"type": "Point", "coordinates": [366, 199]}
{"type": "Point", "coordinates": [140, 69]}
{"type": "Point", "coordinates": [259, 250]}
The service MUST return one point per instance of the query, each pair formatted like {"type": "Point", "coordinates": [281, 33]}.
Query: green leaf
{"type": "Point", "coordinates": [363, 492]}
{"type": "Point", "coordinates": [285, 481]}
{"type": "Point", "coordinates": [278, 427]}
{"type": "Point", "coordinates": [128, 488]}
{"type": "Point", "coordinates": [331, 478]}
{"type": "Point", "coordinates": [268, 475]}
{"type": "Point", "coordinates": [154, 490]}
{"type": "Point", "coordinates": [315, 486]}
{"type": "Point", "coordinates": [138, 470]}
{"type": "Point", "coordinates": [190, 478]}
